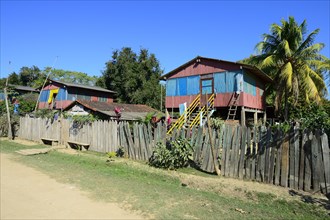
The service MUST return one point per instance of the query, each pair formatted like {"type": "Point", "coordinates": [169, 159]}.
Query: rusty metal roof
{"type": "Point", "coordinates": [105, 106]}
{"type": "Point", "coordinates": [128, 111]}
{"type": "Point", "coordinates": [251, 68]}
{"type": "Point", "coordinates": [82, 86]}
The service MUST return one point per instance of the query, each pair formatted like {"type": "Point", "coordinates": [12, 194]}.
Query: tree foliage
{"type": "Point", "coordinates": [34, 77]}
{"type": "Point", "coordinates": [71, 76]}
{"type": "Point", "coordinates": [290, 56]}
{"type": "Point", "coordinates": [135, 77]}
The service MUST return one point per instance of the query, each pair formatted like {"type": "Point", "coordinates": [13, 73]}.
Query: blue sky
{"type": "Point", "coordinates": [83, 34]}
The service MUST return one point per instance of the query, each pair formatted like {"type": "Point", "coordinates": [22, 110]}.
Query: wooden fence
{"type": "Point", "coordinates": [102, 136]}
{"type": "Point", "coordinates": [299, 160]}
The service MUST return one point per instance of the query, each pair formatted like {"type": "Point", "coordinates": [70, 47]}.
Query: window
{"type": "Point", "coordinates": [207, 86]}
{"type": "Point", "coordinates": [102, 99]}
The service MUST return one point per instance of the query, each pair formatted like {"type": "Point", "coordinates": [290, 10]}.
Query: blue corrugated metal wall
{"type": "Point", "coordinates": [170, 87]}
{"type": "Point", "coordinates": [193, 85]}
{"type": "Point", "coordinates": [249, 85]}
{"type": "Point", "coordinates": [183, 86]}
{"type": "Point", "coordinates": [44, 95]}
{"type": "Point", "coordinates": [220, 82]}
{"type": "Point", "coordinates": [226, 81]}
{"type": "Point", "coordinates": [61, 94]}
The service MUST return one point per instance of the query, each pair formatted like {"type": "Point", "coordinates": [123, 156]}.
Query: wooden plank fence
{"type": "Point", "coordinates": [299, 159]}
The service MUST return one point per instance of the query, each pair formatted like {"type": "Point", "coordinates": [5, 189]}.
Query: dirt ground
{"type": "Point", "coordinates": [30, 194]}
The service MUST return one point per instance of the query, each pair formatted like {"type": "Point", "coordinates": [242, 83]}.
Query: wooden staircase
{"type": "Point", "coordinates": [191, 117]}
{"type": "Point", "coordinates": [233, 106]}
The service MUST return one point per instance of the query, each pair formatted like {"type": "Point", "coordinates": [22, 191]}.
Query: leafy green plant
{"type": "Point", "coordinates": [111, 156]}
{"type": "Point", "coordinates": [80, 120]}
{"type": "Point", "coordinates": [216, 123]}
{"type": "Point", "coordinates": [173, 155]}
{"type": "Point", "coordinates": [284, 127]}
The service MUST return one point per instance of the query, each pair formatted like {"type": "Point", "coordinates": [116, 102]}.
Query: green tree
{"type": "Point", "coordinates": [71, 76]}
{"type": "Point", "coordinates": [134, 77]}
{"type": "Point", "coordinates": [290, 56]}
{"type": "Point", "coordinates": [28, 76]}
{"type": "Point", "coordinates": [13, 79]}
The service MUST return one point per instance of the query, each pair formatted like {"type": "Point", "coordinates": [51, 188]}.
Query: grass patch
{"type": "Point", "coordinates": [156, 193]}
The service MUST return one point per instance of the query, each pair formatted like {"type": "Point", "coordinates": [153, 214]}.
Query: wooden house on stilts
{"type": "Point", "coordinates": [230, 90]}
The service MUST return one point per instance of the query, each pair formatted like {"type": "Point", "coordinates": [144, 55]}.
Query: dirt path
{"type": "Point", "coordinates": [30, 194]}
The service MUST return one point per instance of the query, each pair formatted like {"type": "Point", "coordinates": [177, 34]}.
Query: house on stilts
{"type": "Point", "coordinates": [230, 90]}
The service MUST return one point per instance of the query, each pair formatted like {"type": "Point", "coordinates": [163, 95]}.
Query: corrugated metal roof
{"type": "Point", "coordinates": [128, 111]}
{"type": "Point", "coordinates": [83, 86]}
{"type": "Point", "coordinates": [23, 88]}
{"type": "Point", "coordinates": [253, 69]}
{"type": "Point", "coordinates": [105, 106]}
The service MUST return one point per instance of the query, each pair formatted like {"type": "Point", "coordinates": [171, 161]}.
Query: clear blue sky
{"type": "Point", "coordinates": [83, 34]}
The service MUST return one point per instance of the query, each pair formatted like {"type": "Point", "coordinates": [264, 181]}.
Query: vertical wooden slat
{"type": "Point", "coordinates": [205, 153]}
{"type": "Point", "coordinates": [224, 150]}
{"type": "Point", "coordinates": [302, 162]}
{"type": "Point", "coordinates": [242, 152]}
{"type": "Point", "coordinates": [296, 156]}
{"type": "Point", "coordinates": [315, 168]}
{"type": "Point", "coordinates": [198, 145]}
{"type": "Point", "coordinates": [279, 145]}
{"type": "Point", "coordinates": [248, 155]}
{"type": "Point", "coordinates": [272, 161]}
{"type": "Point", "coordinates": [228, 150]}
{"type": "Point", "coordinates": [236, 151]}
{"type": "Point", "coordinates": [326, 160]}
{"type": "Point", "coordinates": [267, 152]}
{"type": "Point", "coordinates": [320, 162]}
{"type": "Point", "coordinates": [285, 162]}
{"type": "Point", "coordinates": [254, 157]}
{"type": "Point", "coordinates": [308, 160]}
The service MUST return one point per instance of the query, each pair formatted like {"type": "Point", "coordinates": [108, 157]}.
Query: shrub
{"type": "Point", "coordinates": [216, 123]}
{"type": "Point", "coordinates": [173, 155]}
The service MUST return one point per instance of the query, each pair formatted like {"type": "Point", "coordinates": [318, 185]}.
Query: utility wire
{"type": "Point", "coordinates": [49, 72]}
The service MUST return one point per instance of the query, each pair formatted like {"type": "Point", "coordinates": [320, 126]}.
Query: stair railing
{"type": "Point", "coordinates": [202, 111]}
{"type": "Point", "coordinates": [186, 114]}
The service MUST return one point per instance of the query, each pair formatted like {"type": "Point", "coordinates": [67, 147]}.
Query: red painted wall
{"type": "Point", "coordinates": [221, 100]}
{"type": "Point", "coordinates": [59, 104]}
{"type": "Point", "coordinates": [205, 67]}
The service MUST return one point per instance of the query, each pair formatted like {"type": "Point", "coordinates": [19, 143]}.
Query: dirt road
{"type": "Point", "coordinates": [29, 194]}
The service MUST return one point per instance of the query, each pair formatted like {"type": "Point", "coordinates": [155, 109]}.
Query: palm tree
{"type": "Point", "coordinates": [290, 56]}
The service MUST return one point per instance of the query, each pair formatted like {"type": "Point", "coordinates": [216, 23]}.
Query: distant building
{"type": "Point", "coordinates": [59, 95]}
{"type": "Point", "coordinates": [20, 90]}
{"type": "Point", "coordinates": [230, 83]}
{"type": "Point", "coordinates": [110, 111]}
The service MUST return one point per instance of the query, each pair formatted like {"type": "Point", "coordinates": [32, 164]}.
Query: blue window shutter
{"type": "Point", "coordinates": [220, 82]}
{"type": "Point", "coordinates": [193, 85]}
{"type": "Point", "coordinates": [171, 87]}
{"type": "Point", "coordinates": [230, 81]}
{"type": "Point", "coordinates": [250, 85]}
{"type": "Point", "coordinates": [181, 86]}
